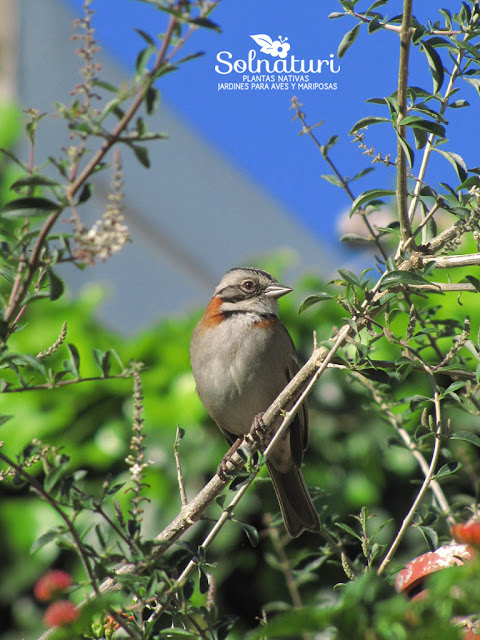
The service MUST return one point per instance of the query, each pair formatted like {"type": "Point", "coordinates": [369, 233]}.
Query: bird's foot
{"type": "Point", "coordinates": [223, 470]}
{"type": "Point", "coordinates": [258, 434]}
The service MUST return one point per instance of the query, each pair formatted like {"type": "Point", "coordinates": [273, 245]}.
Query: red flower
{"type": "Point", "coordinates": [60, 613]}
{"type": "Point", "coordinates": [51, 584]}
{"type": "Point", "coordinates": [468, 533]}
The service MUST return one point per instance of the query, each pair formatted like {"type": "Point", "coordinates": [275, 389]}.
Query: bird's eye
{"type": "Point", "coordinates": [248, 285]}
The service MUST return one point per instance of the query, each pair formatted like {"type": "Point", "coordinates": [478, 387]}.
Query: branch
{"type": "Point", "coordinates": [445, 262]}
{"type": "Point", "coordinates": [402, 172]}
{"type": "Point", "coordinates": [395, 29]}
{"type": "Point", "coordinates": [426, 483]}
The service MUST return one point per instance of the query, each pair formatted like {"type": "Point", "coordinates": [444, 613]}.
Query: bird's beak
{"type": "Point", "coordinates": [276, 291]}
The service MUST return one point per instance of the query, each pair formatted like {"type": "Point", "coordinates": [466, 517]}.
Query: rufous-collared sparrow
{"type": "Point", "coordinates": [242, 357]}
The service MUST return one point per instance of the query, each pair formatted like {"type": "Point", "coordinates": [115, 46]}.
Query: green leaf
{"type": "Point", "coordinates": [430, 535]}
{"type": "Point", "coordinates": [448, 469]}
{"type": "Point", "coordinates": [332, 179]}
{"type": "Point", "coordinates": [251, 532]}
{"type": "Point", "coordinates": [85, 193]}
{"type": "Point", "coordinates": [407, 149]}
{"type": "Point", "coordinates": [74, 359]}
{"type": "Point", "coordinates": [313, 299]}
{"type": "Point", "coordinates": [102, 359]}
{"type": "Point", "coordinates": [467, 436]}
{"type": "Point", "coordinates": [206, 23]}
{"type": "Point", "coordinates": [350, 277]}
{"type": "Point", "coordinates": [473, 181]}
{"type": "Point", "coordinates": [348, 529]}
{"type": "Point", "coordinates": [394, 278]}
{"type": "Point", "coordinates": [57, 286]}
{"type": "Point", "coordinates": [148, 39]}
{"type": "Point", "coordinates": [368, 196]}
{"type": "Point", "coordinates": [45, 539]}
{"type": "Point", "coordinates": [366, 122]}
{"type": "Point", "coordinates": [425, 125]}
{"type": "Point", "coordinates": [474, 281]}
{"type": "Point", "coordinates": [29, 207]}
{"type": "Point", "coordinates": [141, 154]}
{"type": "Point", "coordinates": [456, 161]}
{"type": "Point", "coordinates": [152, 98]}
{"type": "Point", "coordinates": [347, 41]}
{"type": "Point", "coordinates": [435, 64]}
{"type": "Point", "coordinates": [33, 181]}
{"type": "Point", "coordinates": [361, 173]}
{"type": "Point", "coordinates": [356, 240]}
{"type": "Point", "coordinates": [459, 104]}
{"type": "Point", "coordinates": [4, 419]}
{"type": "Point", "coordinates": [418, 400]}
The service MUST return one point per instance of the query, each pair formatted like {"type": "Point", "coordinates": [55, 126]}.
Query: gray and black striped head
{"type": "Point", "coordinates": [250, 289]}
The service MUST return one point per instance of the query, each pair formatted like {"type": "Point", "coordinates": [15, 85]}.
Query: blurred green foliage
{"type": "Point", "coordinates": [350, 459]}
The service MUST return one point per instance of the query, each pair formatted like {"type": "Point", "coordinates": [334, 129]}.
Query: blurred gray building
{"type": "Point", "coordinates": [191, 216]}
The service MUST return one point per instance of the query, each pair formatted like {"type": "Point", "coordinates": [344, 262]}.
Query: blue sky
{"type": "Point", "coordinates": [254, 128]}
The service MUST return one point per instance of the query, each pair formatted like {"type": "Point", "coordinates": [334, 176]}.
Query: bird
{"type": "Point", "coordinates": [242, 357]}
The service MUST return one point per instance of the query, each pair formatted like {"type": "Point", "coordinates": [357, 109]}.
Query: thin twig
{"type": "Point", "coordinates": [181, 484]}
{"type": "Point", "coordinates": [428, 477]}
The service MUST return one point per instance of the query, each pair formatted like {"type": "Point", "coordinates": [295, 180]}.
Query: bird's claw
{"type": "Point", "coordinates": [258, 436]}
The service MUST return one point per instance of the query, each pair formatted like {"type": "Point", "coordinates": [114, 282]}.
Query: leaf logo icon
{"type": "Point", "coordinates": [263, 41]}
{"type": "Point", "coordinates": [276, 48]}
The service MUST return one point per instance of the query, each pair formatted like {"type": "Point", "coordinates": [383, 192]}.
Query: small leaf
{"type": "Point", "coordinates": [33, 181]}
{"type": "Point", "coordinates": [57, 286]}
{"type": "Point", "coordinates": [350, 277]}
{"type": "Point", "coordinates": [148, 39]}
{"type": "Point", "coordinates": [467, 436]}
{"type": "Point", "coordinates": [456, 161]}
{"type": "Point", "coordinates": [29, 207]}
{"type": "Point", "coordinates": [332, 179]}
{"type": "Point", "coordinates": [473, 181]}
{"type": "Point", "coordinates": [448, 469]}
{"type": "Point", "coordinates": [394, 278]}
{"type": "Point", "coordinates": [205, 23]}
{"type": "Point", "coordinates": [85, 193]}
{"type": "Point", "coordinates": [425, 125]}
{"type": "Point", "coordinates": [152, 98]}
{"type": "Point", "coordinates": [347, 41]}
{"type": "Point", "coordinates": [474, 281]}
{"type": "Point", "coordinates": [430, 535]}
{"type": "Point", "coordinates": [368, 196]}
{"type": "Point", "coordinates": [366, 122]}
{"type": "Point", "coordinates": [418, 400]}
{"type": "Point", "coordinates": [356, 240]}
{"type": "Point", "coordinates": [141, 154]}
{"type": "Point", "coordinates": [435, 64]}
{"type": "Point", "coordinates": [313, 299]}
{"type": "Point", "coordinates": [45, 539]}
{"type": "Point", "coordinates": [409, 153]}
{"type": "Point", "coordinates": [362, 173]}
{"type": "Point", "coordinates": [74, 358]}
{"type": "Point", "coordinates": [251, 532]}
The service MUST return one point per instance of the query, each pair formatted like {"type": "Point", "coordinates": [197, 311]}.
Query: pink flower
{"type": "Point", "coordinates": [60, 613]}
{"type": "Point", "coordinates": [51, 584]}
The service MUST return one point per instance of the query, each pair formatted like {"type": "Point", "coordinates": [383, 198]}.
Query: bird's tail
{"type": "Point", "coordinates": [298, 511]}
